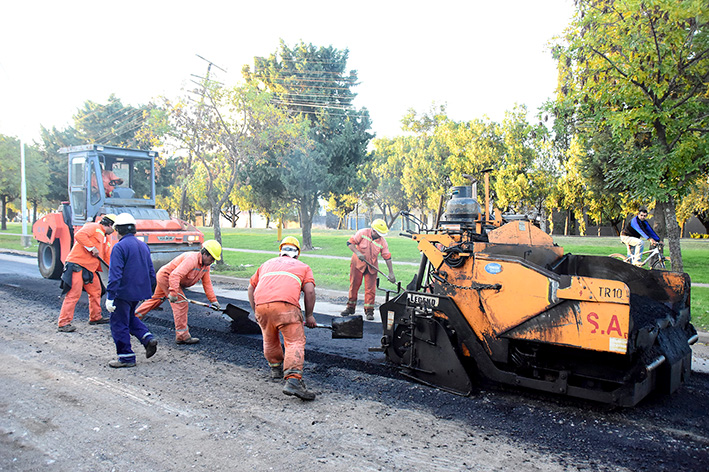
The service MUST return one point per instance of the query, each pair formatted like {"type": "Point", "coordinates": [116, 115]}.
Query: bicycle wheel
{"type": "Point", "coordinates": [663, 263]}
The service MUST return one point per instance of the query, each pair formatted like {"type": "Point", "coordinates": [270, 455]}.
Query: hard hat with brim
{"type": "Point", "coordinates": [213, 248]}
{"type": "Point", "coordinates": [380, 227]}
{"type": "Point", "coordinates": [124, 219]}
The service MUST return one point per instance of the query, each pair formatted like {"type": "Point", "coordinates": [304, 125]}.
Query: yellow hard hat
{"type": "Point", "coordinates": [214, 249]}
{"type": "Point", "coordinates": [110, 217]}
{"type": "Point", "coordinates": [380, 226]}
{"type": "Point", "coordinates": [289, 241]}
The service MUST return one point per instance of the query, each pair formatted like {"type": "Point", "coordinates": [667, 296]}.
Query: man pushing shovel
{"type": "Point", "coordinates": [274, 294]}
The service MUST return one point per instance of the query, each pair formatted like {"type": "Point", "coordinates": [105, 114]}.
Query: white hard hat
{"type": "Point", "coordinates": [124, 219]}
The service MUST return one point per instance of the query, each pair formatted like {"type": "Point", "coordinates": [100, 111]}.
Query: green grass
{"type": "Point", "coordinates": [333, 274]}
{"type": "Point", "coordinates": [700, 308]}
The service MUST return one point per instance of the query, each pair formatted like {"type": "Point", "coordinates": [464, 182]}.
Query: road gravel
{"type": "Point", "coordinates": [212, 406]}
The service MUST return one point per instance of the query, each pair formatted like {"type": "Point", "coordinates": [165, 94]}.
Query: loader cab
{"type": "Point", "coordinates": [103, 177]}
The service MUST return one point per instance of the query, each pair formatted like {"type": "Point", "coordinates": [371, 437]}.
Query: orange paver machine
{"type": "Point", "coordinates": [105, 180]}
{"type": "Point", "coordinates": [496, 300]}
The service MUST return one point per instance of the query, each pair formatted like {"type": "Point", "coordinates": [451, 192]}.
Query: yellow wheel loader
{"type": "Point", "coordinates": [498, 301]}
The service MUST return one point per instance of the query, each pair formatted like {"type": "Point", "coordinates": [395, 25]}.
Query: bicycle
{"type": "Point", "coordinates": [653, 258]}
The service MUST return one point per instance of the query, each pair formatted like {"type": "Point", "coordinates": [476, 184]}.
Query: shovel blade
{"type": "Point", "coordinates": [348, 327]}
{"type": "Point", "coordinates": [241, 323]}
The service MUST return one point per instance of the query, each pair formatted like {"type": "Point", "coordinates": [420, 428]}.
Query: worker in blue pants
{"type": "Point", "coordinates": [131, 279]}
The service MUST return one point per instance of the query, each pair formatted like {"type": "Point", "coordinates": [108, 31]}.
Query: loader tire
{"type": "Point", "coordinates": [49, 261]}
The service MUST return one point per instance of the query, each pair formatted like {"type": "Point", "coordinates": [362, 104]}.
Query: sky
{"type": "Point", "coordinates": [479, 58]}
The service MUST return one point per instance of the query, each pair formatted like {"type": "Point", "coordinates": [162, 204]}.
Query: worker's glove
{"type": "Point", "coordinates": [172, 298]}
{"type": "Point", "coordinates": [362, 257]}
{"type": "Point", "coordinates": [93, 251]}
{"type": "Point", "coordinates": [391, 278]}
{"type": "Point", "coordinates": [110, 306]}
{"type": "Point", "coordinates": [215, 306]}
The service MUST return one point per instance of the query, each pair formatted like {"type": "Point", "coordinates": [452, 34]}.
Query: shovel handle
{"type": "Point", "coordinates": [200, 303]}
{"type": "Point", "coordinates": [377, 269]}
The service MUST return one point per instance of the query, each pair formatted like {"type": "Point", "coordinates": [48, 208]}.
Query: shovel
{"type": "Point", "coordinates": [377, 269]}
{"type": "Point", "coordinates": [241, 323]}
{"type": "Point", "coordinates": [347, 327]}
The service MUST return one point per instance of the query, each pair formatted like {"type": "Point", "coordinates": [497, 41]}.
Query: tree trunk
{"type": "Point", "coordinates": [268, 221]}
{"type": "Point", "coordinates": [673, 235]}
{"type": "Point", "coordinates": [659, 221]}
{"type": "Point", "coordinates": [307, 211]}
{"type": "Point", "coordinates": [251, 212]}
{"type": "Point", "coordinates": [3, 226]}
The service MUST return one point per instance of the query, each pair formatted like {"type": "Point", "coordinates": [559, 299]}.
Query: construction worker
{"type": "Point", "coordinates": [366, 245]}
{"type": "Point", "coordinates": [91, 246]}
{"type": "Point", "coordinates": [633, 233]}
{"type": "Point", "coordinates": [110, 181]}
{"type": "Point", "coordinates": [274, 294]}
{"type": "Point", "coordinates": [184, 271]}
{"type": "Point", "coordinates": [131, 279]}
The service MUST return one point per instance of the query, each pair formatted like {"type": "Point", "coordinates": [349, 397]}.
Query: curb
{"type": "Point", "coordinates": [703, 337]}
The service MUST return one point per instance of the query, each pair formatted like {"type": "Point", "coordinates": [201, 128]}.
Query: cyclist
{"type": "Point", "coordinates": [635, 231]}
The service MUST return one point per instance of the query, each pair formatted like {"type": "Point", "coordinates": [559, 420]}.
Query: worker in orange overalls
{"type": "Point", "coordinates": [91, 246]}
{"type": "Point", "coordinates": [274, 294]}
{"type": "Point", "coordinates": [184, 271]}
{"type": "Point", "coordinates": [366, 245]}
{"type": "Point", "coordinates": [110, 180]}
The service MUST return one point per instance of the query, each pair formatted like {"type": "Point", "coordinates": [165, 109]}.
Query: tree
{"type": "Point", "coordinates": [696, 203]}
{"type": "Point", "coordinates": [640, 71]}
{"type": "Point", "coordinates": [312, 82]}
{"type": "Point", "coordinates": [383, 175]}
{"type": "Point", "coordinates": [112, 123]}
{"type": "Point", "coordinates": [427, 159]}
{"type": "Point", "coordinates": [37, 178]}
{"type": "Point", "coordinates": [9, 174]}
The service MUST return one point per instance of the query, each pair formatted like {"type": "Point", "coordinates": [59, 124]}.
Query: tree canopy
{"type": "Point", "coordinates": [638, 71]}
{"type": "Point", "coordinates": [312, 83]}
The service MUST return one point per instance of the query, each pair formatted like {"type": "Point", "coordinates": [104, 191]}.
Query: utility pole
{"type": "Point", "coordinates": [188, 168]}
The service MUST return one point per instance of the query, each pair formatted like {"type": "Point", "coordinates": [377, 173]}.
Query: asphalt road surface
{"type": "Point", "coordinates": [212, 406]}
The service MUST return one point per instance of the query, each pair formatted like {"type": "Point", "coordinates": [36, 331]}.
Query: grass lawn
{"type": "Point", "coordinates": [334, 273]}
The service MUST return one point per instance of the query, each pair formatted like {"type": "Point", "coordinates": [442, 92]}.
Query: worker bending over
{"type": "Point", "coordinates": [131, 279]}
{"type": "Point", "coordinates": [366, 245]}
{"type": "Point", "coordinates": [274, 294]}
{"type": "Point", "coordinates": [182, 272]}
{"type": "Point", "coordinates": [91, 245]}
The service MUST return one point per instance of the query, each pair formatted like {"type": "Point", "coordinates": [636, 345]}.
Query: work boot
{"type": "Point", "coordinates": [151, 348]}
{"type": "Point", "coordinates": [118, 364]}
{"type": "Point", "coordinates": [67, 328]}
{"type": "Point", "coordinates": [369, 314]}
{"type": "Point", "coordinates": [277, 372]}
{"type": "Point", "coordinates": [99, 321]}
{"type": "Point", "coordinates": [189, 340]}
{"type": "Point", "coordinates": [348, 311]}
{"type": "Point", "coordinates": [296, 387]}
